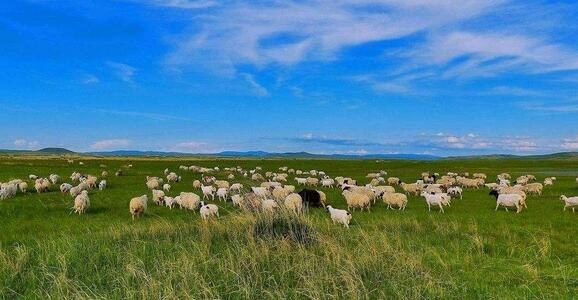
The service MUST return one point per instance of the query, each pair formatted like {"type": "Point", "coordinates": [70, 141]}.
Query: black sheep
{"type": "Point", "coordinates": [311, 197]}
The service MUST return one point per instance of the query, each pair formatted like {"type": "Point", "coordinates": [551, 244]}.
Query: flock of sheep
{"type": "Point", "coordinates": [273, 192]}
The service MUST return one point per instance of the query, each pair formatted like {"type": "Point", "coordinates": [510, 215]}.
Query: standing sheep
{"type": "Point", "coordinates": [294, 202]}
{"type": "Point", "coordinates": [395, 199]}
{"type": "Point", "coordinates": [166, 187]}
{"type": "Point", "coordinates": [138, 206]}
{"type": "Point", "coordinates": [435, 200]}
{"type": "Point", "coordinates": [570, 202]}
{"type": "Point", "coordinates": [340, 216]}
{"type": "Point", "coordinates": [208, 210]}
{"type": "Point", "coordinates": [189, 201]}
{"type": "Point", "coordinates": [23, 186]}
{"type": "Point", "coordinates": [102, 185]}
{"type": "Point", "coordinates": [81, 203]}
{"type": "Point", "coordinates": [356, 200]}
{"type": "Point", "coordinates": [158, 197]}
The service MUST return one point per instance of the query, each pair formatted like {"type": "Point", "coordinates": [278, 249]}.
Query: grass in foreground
{"type": "Point", "coordinates": [469, 252]}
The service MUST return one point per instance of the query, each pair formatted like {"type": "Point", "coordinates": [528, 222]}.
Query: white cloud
{"type": "Point", "coordinates": [185, 4]}
{"type": "Point", "coordinates": [124, 72]}
{"type": "Point", "coordinates": [288, 32]}
{"type": "Point", "coordinates": [570, 144]}
{"type": "Point", "coordinates": [25, 144]}
{"type": "Point", "coordinates": [91, 79]}
{"type": "Point", "coordinates": [257, 87]}
{"type": "Point", "coordinates": [110, 144]}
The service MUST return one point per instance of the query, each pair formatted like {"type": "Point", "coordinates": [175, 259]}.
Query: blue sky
{"type": "Point", "coordinates": [339, 76]}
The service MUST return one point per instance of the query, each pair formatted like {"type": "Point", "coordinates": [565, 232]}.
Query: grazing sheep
{"type": "Point", "coordinates": [197, 184]}
{"type": "Point", "coordinates": [411, 188]}
{"type": "Point", "coordinates": [32, 177]}
{"type": "Point", "coordinates": [393, 181]}
{"type": "Point", "coordinates": [311, 197]}
{"type": "Point", "coordinates": [534, 188]}
{"type": "Point", "coordinates": [301, 181]}
{"type": "Point", "coordinates": [260, 192]}
{"type": "Point", "coordinates": [435, 200]}
{"type": "Point", "coordinates": [455, 191]}
{"type": "Point", "coordinates": [236, 187]}
{"type": "Point", "coordinates": [237, 200]}
{"type": "Point", "coordinates": [508, 200]}
{"type": "Point", "coordinates": [81, 203]}
{"type": "Point", "coordinates": [328, 182]}
{"type": "Point", "coordinates": [312, 181]}
{"type": "Point", "coordinates": [104, 174]}
{"type": "Point", "coordinates": [65, 187]}
{"type": "Point", "coordinates": [339, 216]}
{"type": "Point", "coordinates": [189, 201]}
{"type": "Point", "coordinates": [138, 206]}
{"type": "Point", "coordinates": [102, 185]}
{"type": "Point", "coordinates": [208, 191]}
{"type": "Point", "coordinates": [269, 205]}
{"type": "Point", "coordinates": [170, 202]}
{"type": "Point", "coordinates": [8, 190]}
{"type": "Point", "coordinates": [381, 189]}
{"type": "Point", "coordinates": [42, 185]}
{"type": "Point", "coordinates": [23, 186]}
{"type": "Point", "coordinates": [570, 202]}
{"type": "Point", "coordinates": [395, 199]}
{"type": "Point", "coordinates": [153, 183]}
{"type": "Point", "coordinates": [356, 200]}
{"type": "Point", "coordinates": [173, 177]}
{"type": "Point", "coordinates": [118, 173]}
{"type": "Point", "coordinates": [222, 194]}
{"type": "Point", "coordinates": [54, 178]}
{"type": "Point", "coordinates": [294, 202]}
{"type": "Point", "coordinates": [166, 187]}
{"type": "Point", "coordinates": [222, 184]}
{"type": "Point", "coordinates": [208, 210]}
{"type": "Point", "coordinates": [257, 177]}
{"type": "Point", "coordinates": [158, 197]}
{"type": "Point", "coordinates": [548, 181]}
{"type": "Point", "coordinates": [279, 193]}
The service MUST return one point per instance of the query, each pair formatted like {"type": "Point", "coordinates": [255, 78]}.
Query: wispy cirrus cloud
{"type": "Point", "coordinates": [122, 71]}
{"type": "Point", "coordinates": [140, 114]}
{"type": "Point", "coordinates": [289, 32]}
{"type": "Point", "coordinates": [256, 86]}
{"type": "Point", "coordinates": [185, 4]}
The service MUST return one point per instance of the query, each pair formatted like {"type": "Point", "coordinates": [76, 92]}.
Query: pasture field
{"type": "Point", "coordinates": [471, 251]}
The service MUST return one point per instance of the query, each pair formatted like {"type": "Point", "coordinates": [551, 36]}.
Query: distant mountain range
{"type": "Point", "coordinates": [289, 155]}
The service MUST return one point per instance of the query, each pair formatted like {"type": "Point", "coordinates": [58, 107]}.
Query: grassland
{"type": "Point", "coordinates": [471, 251]}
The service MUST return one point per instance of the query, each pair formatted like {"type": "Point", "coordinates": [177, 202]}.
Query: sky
{"type": "Point", "coordinates": [436, 77]}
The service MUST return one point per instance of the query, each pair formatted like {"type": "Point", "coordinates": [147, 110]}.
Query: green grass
{"type": "Point", "coordinates": [471, 251]}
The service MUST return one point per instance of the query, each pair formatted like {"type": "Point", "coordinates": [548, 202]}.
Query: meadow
{"type": "Point", "coordinates": [471, 251]}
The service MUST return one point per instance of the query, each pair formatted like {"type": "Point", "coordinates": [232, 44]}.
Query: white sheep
{"type": "Point", "coordinates": [269, 205]}
{"type": "Point", "coordinates": [570, 202]}
{"type": "Point", "coordinates": [328, 182]}
{"type": "Point", "coordinates": [189, 201]}
{"type": "Point", "coordinates": [356, 200]}
{"type": "Point", "coordinates": [81, 203]}
{"type": "Point", "coordinates": [54, 178]}
{"type": "Point", "coordinates": [23, 186]}
{"type": "Point", "coordinates": [102, 185]}
{"type": "Point", "coordinates": [158, 197]}
{"type": "Point", "coordinates": [208, 191]}
{"type": "Point", "coordinates": [260, 192]}
{"type": "Point", "coordinates": [435, 200]}
{"type": "Point", "coordinates": [236, 187]}
{"type": "Point", "coordinates": [237, 200]}
{"type": "Point", "coordinates": [166, 187]}
{"type": "Point", "coordinates": [138, 206]}
{"type": "Point", "coordinates": [65, 187]}
{"type": "Point", "coordinates": [339, 216]}
{"type": "Point", "coordinates": [294, 202]}
{"type": "Point", "coordinates": [509, 200]}
{"type": "Point", "coordinates": [208, 210]}
{"type": "Point", "coordinates": [170, 202]}
{"type": "Point", "coordinates": [395, 199]}
{"type": "Point", "coordinates": [222, 194]}
{"type": "Point", "coordinates": [301, 181]}
{"type": "Point", "coordinates": [455, 191]}
{"type": "Point", "coordinates": [32, 177]}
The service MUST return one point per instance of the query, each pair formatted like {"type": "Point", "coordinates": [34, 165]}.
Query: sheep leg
{"type": "Point", "coordinates": [497, 206]}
